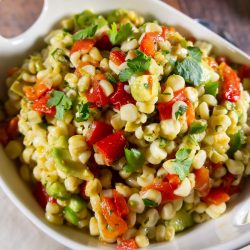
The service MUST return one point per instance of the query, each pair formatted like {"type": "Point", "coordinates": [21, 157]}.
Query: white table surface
{"type": "Point", "coordinates": [18, 233]}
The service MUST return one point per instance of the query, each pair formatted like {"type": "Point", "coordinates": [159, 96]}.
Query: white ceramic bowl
{"type": "Point", "coordinates": [226, 232]}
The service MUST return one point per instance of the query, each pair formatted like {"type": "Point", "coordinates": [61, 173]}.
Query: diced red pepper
{"type": "Point", "coordinates": [97, 131]}
{"type": "Point", "coordinates": [230, 86]}
{"type": "Point", "coordinates": [12, 129]}
{"type": "Point", "coordinates": [104, 43]}
{"type": "Point", "coordinates": [111, 147]}
{"type": "Point", "coordinates": [84, 45]}
{"type": "Point", "coordinates": [173, 180]}
{"type": "Point", "coordinates": [12, 71]}
{"type": "Point", "coordinates": [244, 72]}
{"type": "Point", "coordinates": [116, 226]}
{"type": "Point", "coordinates": [166, 189]}
{"type": "Point", "coordinates": [40, 105]}
{"type": "Point", "coordinates": [222, 59]}
{"type": "Point", "coordinates": [120, 204]}
{"type": "Point", "coordinates": [165, 108]}
{"type": "Point", "coordinates": [96, 94]}
{"type": "Point", "coordinates": [129, 244]}
{"type": "Point", "coordinates": [216, 196]}
{"type": "Point", "coordinates": [117, 57]}
{"type": "Point", "coordinates": [190, 113]}
{"type": "Point", "coordinates": [227, 186]}
{"type": "Point", "coordinates": [121, 97]}
{"type": "Point", "coordinates": [202, 183]}
{"type": "Point", "coordinates": [148, 43]}
{"type": "Point", "coordinates": [4, 136]}
{"type": "Point", "coordinates": [40, 194]}
{"type": "Point", "coordinates": [35, 92]}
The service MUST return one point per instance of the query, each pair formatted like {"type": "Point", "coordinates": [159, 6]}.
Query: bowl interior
{"type": "Point", "coordinates": [222, 233]}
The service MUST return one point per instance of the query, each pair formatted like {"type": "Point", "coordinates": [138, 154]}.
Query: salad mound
{"type": "Point", "coordinates": [126, 129]}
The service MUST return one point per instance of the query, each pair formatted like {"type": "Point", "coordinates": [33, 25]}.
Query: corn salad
{"type": "Point", "coordinates": [126, 129]}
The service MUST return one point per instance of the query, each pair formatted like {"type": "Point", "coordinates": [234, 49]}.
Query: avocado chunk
{"type": "Point", "coordinates": [144, 88]}
{"type": "Point", "coordinates": [70, 216]}
{"type": "Point", "coordinates": [76, 203]}
{"type": "Point", "coordinates": [65, 164]}
{"type": "Point", "coordinates": [57, 190]}
{"type": "Point", "coordinates": [181, 221]}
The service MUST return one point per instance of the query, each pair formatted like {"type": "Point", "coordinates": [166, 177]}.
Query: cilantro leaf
{"type": "Point", "coordinates": [182, 154]}
{"type": "Point", "coordinates": [61, 102]}
{"type": "Point", "coordinates": [87, 32]}
{"type": "Point", "coordinates": [190, 70]}
{"type": "Point", "coordinates": [211, 88]}
{"type": "Point", "coordinates": [197, 128]}
{"type": "Point", "coordinates": [182, 163]}
{"type": "Point", "coordinates": [150, 203]}
{"type": "Point", "coordinates": [181, 111]}
{"type": "Point", "coordinates": [195, 53]}
{"type": "Point", "coordinates": [135, 159]}
{"type": "Point", "coordinates": [83, 112]}
{"type": "Point", "coordinates": [236, 141]}
{"type": "Point", "coordinates": [116, 37]}
{"type": "Point", "coordinates": [125, 74]}
{"type": "Point", "coordinates": [140, 63]}
{"type": "Point", "coordinates": [182, 168]}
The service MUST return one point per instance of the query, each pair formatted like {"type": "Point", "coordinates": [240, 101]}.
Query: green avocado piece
{"type": "Point", "coordinates": [57, 190]}
{"type": "Point", "coordinates": [181, 221]}
{"type": "Point", "coordinates": [65, 164]}
{"type": "Point", "coordinates": [17, 88]}
{"type": "Point", "coordinates": [61, 142]}
{"type": "Point", "coordinates": [76, 203]}
{"type": "Point", "coordinates": [70, 216]}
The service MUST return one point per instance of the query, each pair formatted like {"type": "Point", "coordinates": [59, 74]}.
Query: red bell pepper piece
{"type": "Point", "coordinates": [117, 57]}
{"type": "Point", "coordinates": [120, 204]}
{"type": "Point", "coordinates": [148, 43]}
{"type": "Point", "coordinates": [98, 131]}
{"type": "Point", "coordinates": [190, 113]}
{"type": "Point", "coordinates": [165, 108]}
{"type": "Point", "coordinates": [216, 196]}
{"type": "Point", "coordinates": [40, 194]}
{"type": "Point", "coordinates": [12, 71]}
{"type": "Point", "coordinates": [104, 43]}
{"type": "Point", "coordinates": [12, 129]}
{"type": "Point", "coordinates": [117, 224]}
{"type": "Point", "coordinates": [40, 105]}
{"type": "Point", "coordinates": [111, 147]}
{"type": "Point", "coordinates": [121, 97]}
{"type": "Point", "coordinates": [202, 183]}
{"type": "Point", "coordinates": [244, 72]}
{"type": "Point", "coordinates": [227, 186]}
{"type": "Point", "coordinates": [173, 180]}
{"type": "Point", "coordinates": [35, 92]}
{"type": "Point", "coordinates": [96, 94]}
{"type": "Point", "coordinates": [4, 136]}
{"type": "Point", "coordinates": [230, 86]}
{"type": "Point", "coordinates": [166, 189]}
{"type": "Point", "coordinates": [84, 45]}
{"type": "Point", "coordinates": [129, 244]}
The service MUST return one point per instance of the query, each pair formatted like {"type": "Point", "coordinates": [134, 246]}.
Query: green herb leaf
{"type": "Point", "coordinates": [150, 203]}
{"type": "Point", "coordinates": [111, 78]}
{"type": "Point", "coordinates": [236, 142]}
{"type": "Point", "coordinates": [83, 112]}
{"type": "Point", "coordinates": [197, 128]}
{"type": "Point", "coordinates": [181, 111]}
{"type": "Point", "coordinates": [182, 168]}
{"type": "Point", "coordinates": [190, 70]}
{"type": "Point", "coordinates": [139, 64]}
{"type": "Point", "coordinates": [135, 159]}
{"type": "Point", "coordinates": [117, 37]}
{"type": "Point", "coordinates": [61, 102]}
{"type": "Point", "coordinates": [125, 74]}
{"type": "Point", "coordinates": [195, 53]}
{"type": "Point", "coordinates": [182, 154]}
{"type": "Point", "coordinates": [87, 32]}
{"type": "Point", "coordinates": [211, 88]}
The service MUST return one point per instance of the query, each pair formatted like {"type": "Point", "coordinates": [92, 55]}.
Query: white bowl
{"type": "Point", "coordinates": [226, 232]}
